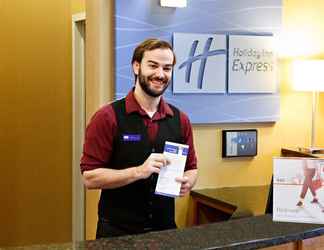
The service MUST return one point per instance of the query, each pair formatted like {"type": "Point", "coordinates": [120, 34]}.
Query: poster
{"type": "Point", "coordinates": [298, 191]}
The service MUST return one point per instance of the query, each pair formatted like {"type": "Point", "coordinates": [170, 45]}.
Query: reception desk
{"type": "Point", "coordinates": [220, 204]}
{"type": "Point", "coordinates": [258, 232]}
{"type": "Point", "coordinates": [294, 152]}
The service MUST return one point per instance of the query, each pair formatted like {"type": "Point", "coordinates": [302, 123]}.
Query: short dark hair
{"type": "Point", "coordinates": [151, 44]}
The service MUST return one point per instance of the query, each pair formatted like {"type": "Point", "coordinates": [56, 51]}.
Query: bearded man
{"type": "Point", "coordinates": [123, 149]}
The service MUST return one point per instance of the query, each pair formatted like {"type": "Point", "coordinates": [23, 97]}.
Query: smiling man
{"type": "Point", "coordinates": [123, 149]}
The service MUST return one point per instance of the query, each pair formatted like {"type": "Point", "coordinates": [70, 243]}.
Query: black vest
{"type": "Point", "coordinates": [134, 207]}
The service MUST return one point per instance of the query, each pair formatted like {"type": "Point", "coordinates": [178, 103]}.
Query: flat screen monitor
{"type": "Point", "coordinates": [239, 143]}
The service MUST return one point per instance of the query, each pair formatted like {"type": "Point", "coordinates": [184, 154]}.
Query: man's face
{"type": "Point", "coordinates": [154, 72]}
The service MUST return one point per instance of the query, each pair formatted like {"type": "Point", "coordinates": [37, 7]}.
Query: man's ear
{"type": "Point", "coordinates": [136, 67]}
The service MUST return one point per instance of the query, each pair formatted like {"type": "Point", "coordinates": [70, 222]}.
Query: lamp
{"type": "Point", "coordinates": [173, 3]}
{"type": "Point", "coordinates": [308, 75]}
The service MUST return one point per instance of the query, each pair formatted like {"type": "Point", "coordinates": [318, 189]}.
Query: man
{"type": "Point", "coordinates": [123, 149]}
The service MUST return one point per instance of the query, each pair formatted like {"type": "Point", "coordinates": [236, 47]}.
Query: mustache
{"type": "Point", "coordinates": [157, 78]}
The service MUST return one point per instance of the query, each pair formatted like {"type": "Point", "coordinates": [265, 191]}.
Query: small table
{"type": "Point", "coordinates": [220, 204]}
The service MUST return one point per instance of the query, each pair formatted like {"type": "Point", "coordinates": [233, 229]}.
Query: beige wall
{"type": "Point", "coordinates": [77, 6]}
{"type": "Point", "coordinates": [304, 19]}
{"type": "Point", "coordinates": [35, 122]}
{"type": "Point", "coordinates": [292, 130]}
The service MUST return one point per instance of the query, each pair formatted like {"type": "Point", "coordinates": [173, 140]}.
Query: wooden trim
{"type": "Point", "coordinates": [315, 243]}
{"type": "Point", "coordinates": [287, 246]}
{"type": "Point", "coordinates": [222, 208]}
{"type": "Point", "coordinates": [78, 124]}
{"type": "Point", "coordinates": [78, 17]}
{"type": "Point", "coordinates": [99, 78]}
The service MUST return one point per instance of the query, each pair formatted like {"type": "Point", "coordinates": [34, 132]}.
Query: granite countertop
{"type": "Point", "coordinates": [248, 233]}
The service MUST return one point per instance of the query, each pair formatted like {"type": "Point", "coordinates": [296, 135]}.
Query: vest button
{"type": "Point", "coordinates": [150, 216]}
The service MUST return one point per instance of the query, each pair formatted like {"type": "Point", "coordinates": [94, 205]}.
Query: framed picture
{"type": "Point", "coordinates": [239, 143]}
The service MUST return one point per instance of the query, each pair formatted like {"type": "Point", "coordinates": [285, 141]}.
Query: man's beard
{"type": "Point", "coordinates": [144, 82]}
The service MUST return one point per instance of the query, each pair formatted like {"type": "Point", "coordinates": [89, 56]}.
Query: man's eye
{"type": "Point", "coordinates": [167, 69]}
{"type": "Point", "coordinates": [153, 66]}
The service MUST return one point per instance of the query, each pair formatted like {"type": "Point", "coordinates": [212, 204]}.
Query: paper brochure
{"type": "Point", "coordinates": [177, 155]}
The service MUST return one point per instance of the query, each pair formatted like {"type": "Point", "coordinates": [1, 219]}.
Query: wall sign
{"type": "Point", "coordinates": [223, 63]}
{"type": "Point", "coordinates": [201, 63]}
{"type": "Point", "coordinates": [227, 21]}
{"type": "Point", "coordinates": [252, 64]}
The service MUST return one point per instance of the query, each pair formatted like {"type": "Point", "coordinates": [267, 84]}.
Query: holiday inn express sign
{"type": "Point", "coordinates": [223, 63]}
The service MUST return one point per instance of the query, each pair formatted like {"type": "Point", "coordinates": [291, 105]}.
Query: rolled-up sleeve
{"type": "Point", "coordinates": [98, 141]}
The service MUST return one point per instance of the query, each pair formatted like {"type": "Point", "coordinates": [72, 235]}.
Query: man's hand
{"type": "Point", "coordinates": [185, 185]}
{"type": "Point", "coordinates": [187, 181]}
{"type": "Point", "coordinates": [152, 165]}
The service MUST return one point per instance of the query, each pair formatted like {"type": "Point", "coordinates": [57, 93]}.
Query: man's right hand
{"type": "Point", "coordinates": [107, 178]}
{"type": "Point", "coordinates": [153, 164]}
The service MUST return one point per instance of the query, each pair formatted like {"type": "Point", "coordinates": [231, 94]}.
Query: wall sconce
{"type": "Point", "coordinates": [174, 3]}
{"type": "Point", "coordinates": [308, 75]}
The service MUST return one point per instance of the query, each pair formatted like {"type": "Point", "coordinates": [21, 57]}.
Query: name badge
{"type": "Point", "coordinates": [131, 137]}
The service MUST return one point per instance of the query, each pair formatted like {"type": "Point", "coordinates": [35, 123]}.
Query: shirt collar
{"type": "Point", "coordinates": [133, 106]}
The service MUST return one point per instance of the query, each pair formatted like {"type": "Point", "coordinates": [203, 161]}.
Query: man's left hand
{"type": "Point", "coordinates": [185, 185]}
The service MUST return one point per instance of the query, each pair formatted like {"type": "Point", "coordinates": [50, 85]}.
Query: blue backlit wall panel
{"type": "Point", "coordinates": [136, 20]}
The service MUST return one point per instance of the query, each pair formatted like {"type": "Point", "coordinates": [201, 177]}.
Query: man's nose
{"type": "Point", "coordinates": [159, 72]}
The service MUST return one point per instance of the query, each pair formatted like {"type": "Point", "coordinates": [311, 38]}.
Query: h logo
{"type": "Point", "coordinates": [203, 59]}
{"type": "Point", "coordinates": [202, 67]}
